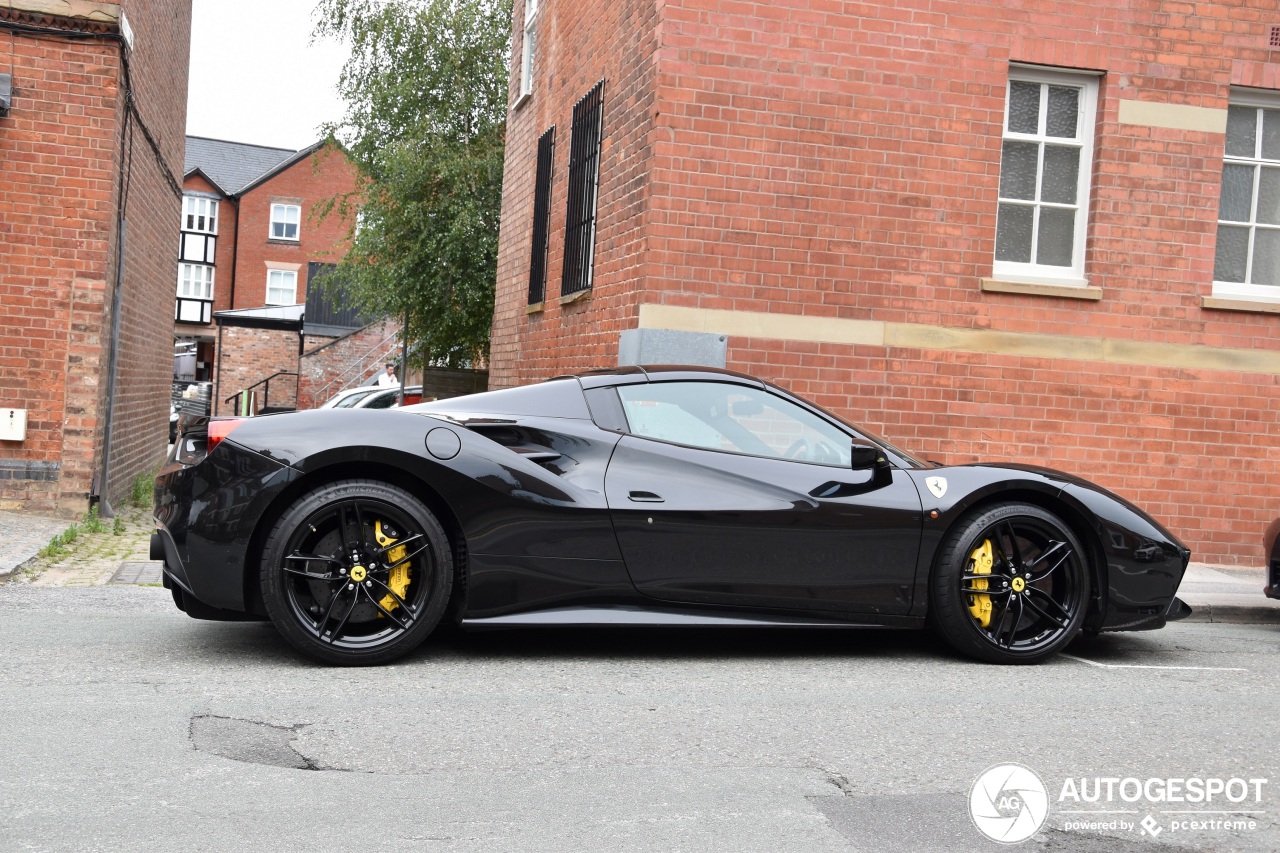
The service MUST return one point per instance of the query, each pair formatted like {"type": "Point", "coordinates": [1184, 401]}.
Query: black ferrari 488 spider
{"type": "Point", "coordinates": [638, 496]}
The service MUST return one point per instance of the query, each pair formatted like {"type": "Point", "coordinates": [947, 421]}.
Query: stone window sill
{"type": "Point", "coordinates": [1219, 303]}
{"type": "Point", "coordinates": [580, 296]}
{"type": "Point", "coordinates": [533, 308]}
{"type": "Point", "coordinates": [1061, 291]}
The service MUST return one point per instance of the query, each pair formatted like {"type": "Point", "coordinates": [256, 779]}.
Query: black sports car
{"type": "Point", "coordinates": [638, 496]}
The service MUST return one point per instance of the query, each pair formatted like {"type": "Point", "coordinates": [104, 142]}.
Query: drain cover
{"type": "Point", "coordinates": [137, 573]}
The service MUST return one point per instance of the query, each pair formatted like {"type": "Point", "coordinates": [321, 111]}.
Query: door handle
{"type": "Point", "coordinates": [645, 497]}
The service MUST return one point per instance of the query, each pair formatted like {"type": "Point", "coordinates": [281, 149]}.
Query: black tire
{"type": "Point", "coordinates": [342, 596]}
{"type": "Point", "coordinates": [1033, 596]}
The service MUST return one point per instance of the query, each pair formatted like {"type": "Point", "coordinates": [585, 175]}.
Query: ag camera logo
{"type": "Point", "coordinates": [1008, 803]}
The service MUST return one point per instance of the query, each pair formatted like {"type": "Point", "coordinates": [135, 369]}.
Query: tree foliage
{"type": "Point", "coordinates": [426, 94]}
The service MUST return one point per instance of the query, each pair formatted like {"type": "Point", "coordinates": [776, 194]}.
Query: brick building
{"type": "Point", "coordinates": [92, 111]}
{"type": "Point", "coordinates": [1004, 231]}
{"type": "Point", "coordinates": [253, 241]}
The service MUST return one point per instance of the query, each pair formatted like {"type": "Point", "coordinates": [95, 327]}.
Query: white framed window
{"type": "Point", "coordinates": [195, 281]}
{"type": "Point", "coordinates": [530, 48]}
{"type": "Point", "coordinates": [284, 221]}
{"type": "Point", "coordinates": [282, 287]}
{"type": "Point", "coordinates": [1246, 264]}
{"type": "Point", "coordinates": [200, 214]}
{"type": "Point", "coordinates": [1045, 163]}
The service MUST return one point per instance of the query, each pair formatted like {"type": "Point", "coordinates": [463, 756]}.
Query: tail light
{"type": "Point", "coordinates": [198, 440]}
{"type": "Point", "coordinates": [220, 429]}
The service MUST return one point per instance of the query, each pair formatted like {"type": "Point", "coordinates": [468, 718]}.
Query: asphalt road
{"type": "Point", "coordinates": [128, 726]}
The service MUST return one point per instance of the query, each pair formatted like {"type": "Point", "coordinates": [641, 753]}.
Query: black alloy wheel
{"type": "Point", "coordinates": [1011, 585]}
{"type": "Point", "coordinates": [356, 573]}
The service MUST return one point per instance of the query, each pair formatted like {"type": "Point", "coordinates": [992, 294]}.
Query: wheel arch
{"type": "Point", "coordinates": [379, 470]}
{"type": "Point", "coordinates": [1073, 515]}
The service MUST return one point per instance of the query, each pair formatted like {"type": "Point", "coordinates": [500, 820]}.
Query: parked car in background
{"type": "Point", "coordinates": [348, 397]}
{"type": "Point", "coordinates": [389, 398]}
{"type": "Point", "coordinates": [373, 397]}
{"type": "Point", "coordinates": [1271, 549]}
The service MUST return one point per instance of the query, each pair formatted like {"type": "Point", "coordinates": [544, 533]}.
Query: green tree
{"type": "Point", "coordinates": [426, 94]}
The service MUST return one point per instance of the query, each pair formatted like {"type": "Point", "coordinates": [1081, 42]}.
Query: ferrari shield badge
{"type": "Point", "coordinates": [937, 485]}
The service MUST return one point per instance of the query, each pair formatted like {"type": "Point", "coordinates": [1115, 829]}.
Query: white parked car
{"type": "Point", "coordinates": [374, 397]}
{"type": "Point", "coordinates": [348, 397]}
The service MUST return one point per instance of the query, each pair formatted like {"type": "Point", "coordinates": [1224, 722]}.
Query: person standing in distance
{"type": "Point", "coordinates": [388, 378]}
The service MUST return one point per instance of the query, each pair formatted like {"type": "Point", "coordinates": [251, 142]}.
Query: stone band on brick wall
{"type": "Point", "coordinates": [1173, 116]}
{"type": "Point", "coordinates": [795, 327]}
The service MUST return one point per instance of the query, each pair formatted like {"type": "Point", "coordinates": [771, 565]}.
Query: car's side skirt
{"type": "Point", "coordinates": [627, 616]}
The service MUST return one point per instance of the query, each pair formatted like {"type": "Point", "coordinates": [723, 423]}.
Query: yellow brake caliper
{"type": "Point", "coordinates": [981, 562]}
{"type": "Point", "coordinates": [399, 579]}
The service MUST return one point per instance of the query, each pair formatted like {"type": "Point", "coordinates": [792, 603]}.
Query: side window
{"type": "Point", "coordinates": [350, 400]}
{"type": "Point", "coordinates": [384, 401]}
{"type": "Point", "coordinates": [733, 419]}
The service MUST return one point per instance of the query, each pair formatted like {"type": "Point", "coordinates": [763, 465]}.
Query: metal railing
{"type": "Point", "coordinates": [246, 399]}
{"type": "Point", "coordinates": [358, 367]}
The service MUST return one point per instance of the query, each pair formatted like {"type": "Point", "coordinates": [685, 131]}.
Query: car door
{"type": "Point", "coordinates": [726, 493]}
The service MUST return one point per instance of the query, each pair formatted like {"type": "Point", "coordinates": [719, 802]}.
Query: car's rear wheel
{"type": "Point", "coordinates": [1011, 585]}
{"type": "Point", "coordinates": [357, 572]}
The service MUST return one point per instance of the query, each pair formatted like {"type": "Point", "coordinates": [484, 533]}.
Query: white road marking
{"type": "Point", "coordinates": [1148, 666]}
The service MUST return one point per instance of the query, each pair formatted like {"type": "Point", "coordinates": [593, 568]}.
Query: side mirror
{"type": "Point", "coordinates": [864, 456]}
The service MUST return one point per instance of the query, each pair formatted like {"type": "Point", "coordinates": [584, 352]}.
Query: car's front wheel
{"type": "Point", "coordinates": [1010, 585]}
{"type": "Point", "coordinates": [356, 572]}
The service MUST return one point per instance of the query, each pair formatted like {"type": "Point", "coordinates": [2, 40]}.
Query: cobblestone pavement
{"type": "Point", "coordinates": [91, 559]}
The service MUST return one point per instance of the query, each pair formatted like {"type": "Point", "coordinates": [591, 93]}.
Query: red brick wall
{"type": "Point", "coordinates": [61, 149]}
{"type": "Point", "coordinates": [162, 32]}
{"type": "Point", "coordinates": [615, 40]}
{"type": "Point", "coordinates": [246, 357]}
{"type": "Point", "coordinates": [325, 174]}
{"type": "Point", "coordinates": [842, 161]}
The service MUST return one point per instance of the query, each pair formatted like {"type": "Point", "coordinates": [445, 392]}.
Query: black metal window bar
{"type": "Point", "coordinates": [584, 179]}
{"type": "Point", "coordinates": [541, 217]}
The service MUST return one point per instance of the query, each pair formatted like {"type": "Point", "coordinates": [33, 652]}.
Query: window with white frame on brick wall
{"type": "Point", "coordinates": [284, 221]}
{"type": "Point", "coordinates": [1045, 163]}
{"type": "Point", "coordinates": [282, 287]}
{"type": "Point", "coordinates": [528, 51]}
{"type": "Point", "coordinates": [1247, 261]}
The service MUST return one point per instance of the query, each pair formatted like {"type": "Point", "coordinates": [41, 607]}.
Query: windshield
{"type": "Point", "coordinates": [861, 430]}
